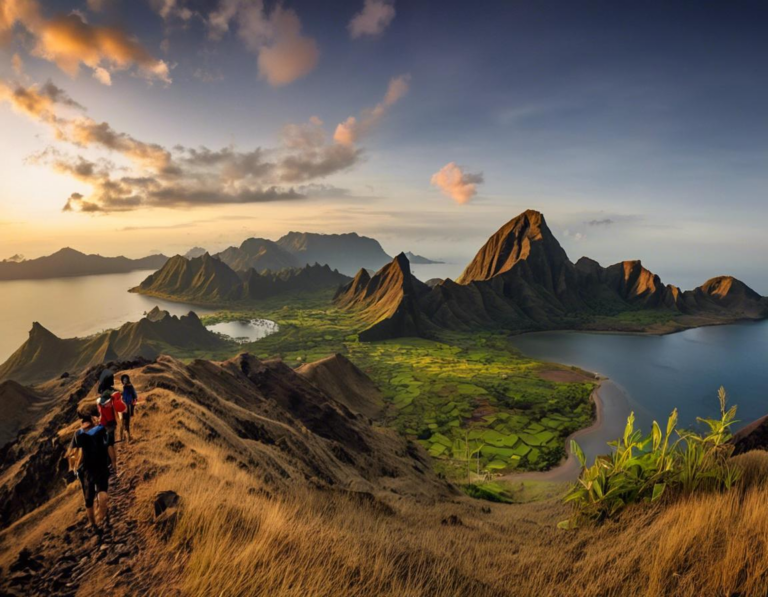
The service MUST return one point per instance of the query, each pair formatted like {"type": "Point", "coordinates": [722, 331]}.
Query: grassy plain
{"type": "Point", "coordinates": [474, 402]}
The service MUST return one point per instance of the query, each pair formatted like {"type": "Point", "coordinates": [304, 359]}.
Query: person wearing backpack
{"type": "Point", "coordinates": [110, 405]}
{"type": "Point", "coordinates": [130, 397]}
{"type": "Point", "coordinates": [89, 458]}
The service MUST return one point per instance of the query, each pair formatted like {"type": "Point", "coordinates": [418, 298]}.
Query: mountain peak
{"type": "Point", "coordinates": [524, 237]}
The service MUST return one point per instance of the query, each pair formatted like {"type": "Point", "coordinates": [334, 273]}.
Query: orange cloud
{"type": "Point", "coordinates": [352, 129]}
{"type": "Point", "coordinates": [453, 182]}
{"type": "Point", "coordinates": [69, 42]}
{"type": "Point", "coordinates": [373, 19]}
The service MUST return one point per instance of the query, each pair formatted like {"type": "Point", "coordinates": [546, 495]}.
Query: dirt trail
{"type": "Point", "coordinates": [64, 562]}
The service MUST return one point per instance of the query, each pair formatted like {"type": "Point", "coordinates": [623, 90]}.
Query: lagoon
{"type": "Point", "coordinates": [651, 375]}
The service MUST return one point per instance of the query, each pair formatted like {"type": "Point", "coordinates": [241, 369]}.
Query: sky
{"type": "Point", "coordinates": [639, 129]}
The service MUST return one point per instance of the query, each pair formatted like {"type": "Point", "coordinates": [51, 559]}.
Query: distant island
{"type": "Point", "coordinates": [68, 263]}
{"type": "Point", "coordinates": [420, 260]}
{"type": "Point", "coordinates": [346, 253]}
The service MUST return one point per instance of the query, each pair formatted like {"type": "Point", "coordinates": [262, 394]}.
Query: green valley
{"type": "Point", "coordinates": [473, 401]}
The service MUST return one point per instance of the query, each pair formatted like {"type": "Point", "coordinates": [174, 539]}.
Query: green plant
{"type": "Point", "coordinates": [646, 468]}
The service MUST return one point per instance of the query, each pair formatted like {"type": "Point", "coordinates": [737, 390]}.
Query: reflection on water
{"type": "Point", "coordinates": [651, 375]}
{"type": "Point", "coordinates": [247, 331]}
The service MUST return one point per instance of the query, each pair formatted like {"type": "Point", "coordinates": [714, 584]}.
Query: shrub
{"type": "Point", "coordinates": [643, 469]}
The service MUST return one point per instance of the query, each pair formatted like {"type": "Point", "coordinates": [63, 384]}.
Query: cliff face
{"type": "Point", "coordinates": [44, 355]}
{"type": "Point", "coordinates": [522, 279]}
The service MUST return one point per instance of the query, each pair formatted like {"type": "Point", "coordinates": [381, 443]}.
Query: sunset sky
{"type": "Point", "coordinates": [640, 129]}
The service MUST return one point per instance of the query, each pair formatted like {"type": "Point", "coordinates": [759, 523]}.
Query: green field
{"type": "Point", "coordinates": [474, 402]}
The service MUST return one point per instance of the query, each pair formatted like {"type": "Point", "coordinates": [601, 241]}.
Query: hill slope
{"type": "Point", "coordinates": [68, 262]}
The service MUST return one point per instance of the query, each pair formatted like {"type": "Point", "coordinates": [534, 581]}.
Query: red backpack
{"type": "Point", "coordinates": [108, 411]}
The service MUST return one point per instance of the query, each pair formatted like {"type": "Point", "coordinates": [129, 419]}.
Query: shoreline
{"type": "Point", "coordinates": [569, 468]}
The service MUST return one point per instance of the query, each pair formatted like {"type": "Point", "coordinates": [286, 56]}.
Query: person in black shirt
{"type": "Point", "coordinates": [90, 459]}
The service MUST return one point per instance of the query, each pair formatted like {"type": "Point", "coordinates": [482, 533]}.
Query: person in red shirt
{"type": "Point", "coordinates": [110, 405]}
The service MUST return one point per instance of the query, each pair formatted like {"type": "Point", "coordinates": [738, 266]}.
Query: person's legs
{"type": "Point", "coordinates": [89, 492]}
{"type": "Point", "coordinates": [127, 424]}
{"type": "Point", "coordinates": [103, 499]}
{"type": "Point", "coordinates": [102, 488]}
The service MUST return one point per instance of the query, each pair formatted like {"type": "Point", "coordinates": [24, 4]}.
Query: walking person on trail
{"type": "Point", "coordinates": [110, 404]}
{"type": "Point", "coordinates": [130, 397]}
{"type": "Point", "coordinates": [89, 458]}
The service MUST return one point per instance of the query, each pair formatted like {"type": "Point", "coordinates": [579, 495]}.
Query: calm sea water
{"type": "Point", "coordinates": [651, 375]}
{"type": "Point", "coordinates": [74, 306]}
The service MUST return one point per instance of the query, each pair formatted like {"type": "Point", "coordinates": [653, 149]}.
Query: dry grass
{"type": "Point", "coordinates": [318, 543]}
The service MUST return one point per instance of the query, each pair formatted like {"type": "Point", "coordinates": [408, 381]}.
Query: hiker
{"type": "Point", "coordinates": [130, 397]}
{"type": "Point", "coordinates": [89, 458]}
{"type": "Point", "coordinates": [110, 404]}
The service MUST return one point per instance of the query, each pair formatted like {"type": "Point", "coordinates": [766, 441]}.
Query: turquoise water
{"type": "Point", "coordinates": [651, 375]}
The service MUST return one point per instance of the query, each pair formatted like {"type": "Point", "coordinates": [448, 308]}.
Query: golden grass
{"type": "Point", "coordinates": [232, 542]}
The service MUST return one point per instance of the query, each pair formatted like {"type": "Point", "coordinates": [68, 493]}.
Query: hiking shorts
{"type": "Point", "coordinates": [111, 434]}
{"type": "Point", "coordinates": [93, 483]}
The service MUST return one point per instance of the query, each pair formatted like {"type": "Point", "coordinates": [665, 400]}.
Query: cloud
{"type": "Point", "coordinates": [373, 19]}
{"type": "Point", "coordinates": [352, 129]}
{"type": "Point", "coordinates": [18, 65]}
{"type": "Point", "coordinates": [284, 53]}
{"type": "Point", "coordinates": [603, 222]}
{"type": "Point", "coordinates": [152, 175]}
{"type": "Point", "coordinates": [453, 182]}
{"type": "Point", "coordinates": [39, 103]}
{"type": "Point", "coordinates": [69, 41]}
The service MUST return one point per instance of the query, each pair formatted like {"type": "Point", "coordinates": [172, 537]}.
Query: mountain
{"type": "Point", "coordinates": [338, 377]}
{"type": "Point", "coordinates": [208, 280]}
{"type": "Point", "coordinates": [419, 260]}
{"type": "Point", "coordinates": [68, 262]}
{"type": "Point", "coordinates": [522, 279]}
{"type": "Point", "coordinates": [195, 252]}
{"type": "Point", "coordinates": [389, 301]}
{"type": "Point", "coordinates": [17, 258]}
{"type": "Point", "coordinates": [259, 254]}
{"type": "Point", "coordinates": [199, 280]}
{"type": "Point", "coordinates": [44, 355]}
{"type": "Point", "coordinates": [345, 252]}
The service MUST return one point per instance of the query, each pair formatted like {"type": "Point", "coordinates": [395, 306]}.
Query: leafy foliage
{"type": "Point", "coordinates": [648, 468]}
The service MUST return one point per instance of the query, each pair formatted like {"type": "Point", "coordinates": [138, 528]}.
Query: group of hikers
{"type": "Point", "coordinates": [92, 455]}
